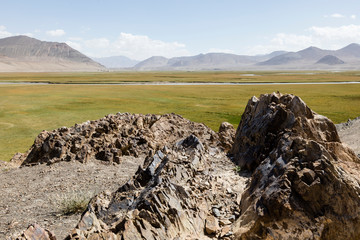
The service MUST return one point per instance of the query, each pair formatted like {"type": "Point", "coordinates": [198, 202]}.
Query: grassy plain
{"type": "Point", "coordinates": [26, 110]}
{"type": "Point", "coordinates": [231, 77]}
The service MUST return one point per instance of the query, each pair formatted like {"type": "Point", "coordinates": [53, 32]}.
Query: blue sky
{"type": "Point", "coordinates": [139, 29]}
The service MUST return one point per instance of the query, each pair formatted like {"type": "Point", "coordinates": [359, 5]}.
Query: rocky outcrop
{"type": "Point", "coordinates": [113, 136]}
{"type": "Point", "coordinates": [188, 191]}
{"type": "Point", "coordinates": [297, 180]}
{"type": "Point", "coordinates": [305, 183]}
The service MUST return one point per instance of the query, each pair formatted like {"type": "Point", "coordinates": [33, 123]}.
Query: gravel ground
{"type": "Point", "coordinates": [34, 194]}
{"type": "Point", "coordinates": [349, 133]}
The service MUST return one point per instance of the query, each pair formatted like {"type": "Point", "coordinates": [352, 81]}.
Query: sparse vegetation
{"type": "Point", "coordinates": [237, 169]}
{"type": "Point", "coordinates": [72, 202]}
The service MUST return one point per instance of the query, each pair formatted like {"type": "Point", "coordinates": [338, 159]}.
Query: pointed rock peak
{"type": "Point", "coordinates": [299, 169]}
{"type": "Point", "coordinates": [267, 119]}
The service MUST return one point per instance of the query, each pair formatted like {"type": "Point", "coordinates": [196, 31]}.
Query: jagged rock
{"type": "Point", "coordinates": [113, 136]}
{"type": "Point", "coordinates": [226, 135]}
{"type": "Point", "coordinates": [169, 197]}
{"type": "Point", "coordinates": [305, 183]}
{"type": "Point", "coordinates": [35, 232]}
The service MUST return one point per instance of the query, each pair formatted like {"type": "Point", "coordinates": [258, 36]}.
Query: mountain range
{"type": "Point", "coordinates": [312, 58]}
{"type": "Point", "coordinates": [26, 54]}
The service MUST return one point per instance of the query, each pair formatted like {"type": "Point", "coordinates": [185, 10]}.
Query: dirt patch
{"type": "Point", "coordinates": [32, 194]}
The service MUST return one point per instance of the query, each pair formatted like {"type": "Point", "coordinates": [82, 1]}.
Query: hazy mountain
{"type": "Point", "coordinates": [209, 61]}
{"type": "Point", "coordinates": [155, 62]}
{"type": "Point", "coordinates": [22, 53]}
{"type": "Point", "coordinates": [308, 58]}
{"type": "Point", "coordinates": [117, 62]}
{"type": "Point", "coordinates": [330, 60]}
{"type": "Point", "coordinates": [350, 51]}
{"type": "Point", "coordinates": [308, 54]}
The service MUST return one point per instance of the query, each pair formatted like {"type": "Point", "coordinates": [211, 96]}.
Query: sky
{"type": "Point", "coordinates": [139, 29]}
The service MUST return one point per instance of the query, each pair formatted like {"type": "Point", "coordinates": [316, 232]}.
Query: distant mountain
{"type": "Point", "coordinates": [351, 50]}
{"type": "Point", "coordinates": [308, 54]}
{"type": "Point", "coordinates": [156, 62]}
{"type": "Point", "coordinates": [330, 60]}
{"type": "Point", "coordinates": [309, 58]}
{"type": "Point", "coordinates": [23, 54]}
{"type": "Point", "coordinates": [209, 61]}
{"type": "Point", "coordinates": [117, 62]}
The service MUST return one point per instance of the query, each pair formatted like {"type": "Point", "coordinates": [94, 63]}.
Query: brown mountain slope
{"type": "Point", "coordinates": [23, 54]}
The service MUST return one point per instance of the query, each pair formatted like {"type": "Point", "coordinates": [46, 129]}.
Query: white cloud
{"type": "Point", "coordinates": [140, 47]}
{"type": "Point", "coordinates": [56, 33]}
{"type": "Point", "coordinates": [322, 37]}
{"type": "Point", "coordinates": [3, 32]}
{"type": "Point", "coordinates": [337, 15]}
{"type": "Point", "coordinates": [347, 32]}
{"type": "Point", "coordinates": [353, 16]}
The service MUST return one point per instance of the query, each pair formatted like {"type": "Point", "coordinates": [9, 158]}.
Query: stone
{"type": "Point", "coordinates": [34, 231]}
{"type": "Point", "coordinates": [226, 135]}
{"type": "Point", "coordinates": [299, 168]}
{"type": "Point", "coordinates": [211, 226]}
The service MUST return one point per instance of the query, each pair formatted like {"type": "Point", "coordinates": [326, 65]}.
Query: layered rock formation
{"type": "Point", "coordinates": [305, 183]}
{"type": "Point", "coordinates": [185, 192]}
{"type": "Point", "coordinates": [113, 136]}
{"type": "Point", "coordinates": [297, 181]}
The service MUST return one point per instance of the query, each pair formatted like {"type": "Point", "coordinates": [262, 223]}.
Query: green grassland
{"type": "Point", "coordinates": [233, 77]}
{"type": "Point", "coordinates": [26, 110]}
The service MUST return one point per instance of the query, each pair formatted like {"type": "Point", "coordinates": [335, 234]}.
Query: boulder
{"type": "Point", "coordinates": [35, 232]}
{"type": "Point", "coordinates": [305, 183]}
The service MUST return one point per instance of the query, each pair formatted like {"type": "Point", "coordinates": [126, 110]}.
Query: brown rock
{"type": "Point", "coordinates": [35, 232]}
{"type": "Point", "coordinates": [226, 135]}
{"type": "Point", "coordinates": [211, 225]}
{"type": "Point", "coordinates": [299, 188]}
{"type": "Point", "coordinates": [109, 138]}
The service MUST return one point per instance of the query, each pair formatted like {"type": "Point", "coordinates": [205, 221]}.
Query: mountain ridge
{"type": "Point", "coordinates": [305, 59]}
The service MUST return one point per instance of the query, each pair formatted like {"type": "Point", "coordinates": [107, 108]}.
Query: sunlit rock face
{"type": "Point", "coordinates": [304, 182]}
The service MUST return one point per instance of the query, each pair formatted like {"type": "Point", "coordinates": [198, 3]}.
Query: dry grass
{"type": "Point", "coordinates": [72, 202]}
{"type": "Point", "coordinates": [233, 77]}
